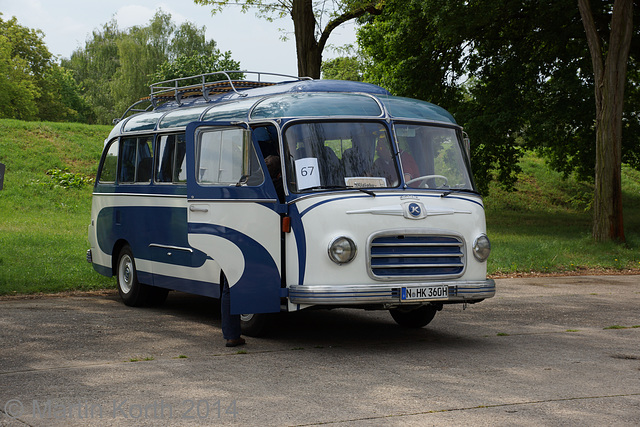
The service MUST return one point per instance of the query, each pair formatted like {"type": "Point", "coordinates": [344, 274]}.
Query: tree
{"type": "Point", "coordinates": [63, 101]}
{"type": "Point", "coordinates": [185, 66]}
{"type": "Point", "coordinates": [189, 40]}
{"type": "Point", "coordinates": [116, 67]}
{"type": "Point", "coordinates": [517, 75]}
{"type": "Point", "coordinates": [421, 49]}
{"type": "Point", "coordinates": [610, 71]}
{"type": "Point", "coordinates": [141, 50]}
{"type": "Point", "coordinates": [191, 54]}
{"type": "Point", "coordinates": [32, 85]}
{"type": "Point", "coordinates": [18, 91]}
{"type": "Point", "coordinates": [342, 68]}
{"type": "Point", "coordinates": [94, 67]}
{"type": "Point", "coordinates": [307, 15]}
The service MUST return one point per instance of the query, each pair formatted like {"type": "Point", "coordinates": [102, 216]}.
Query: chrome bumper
{"type": "Point", "coordinates": [459, 291]}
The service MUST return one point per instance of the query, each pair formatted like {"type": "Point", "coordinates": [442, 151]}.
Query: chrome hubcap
{"type": "Point", "coordinates": [125, 274]}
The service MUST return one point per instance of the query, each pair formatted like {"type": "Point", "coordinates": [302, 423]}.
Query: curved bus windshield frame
{"type": "Point", "coordinates": [327, 154]}
{"type": "Point", "coordinates": [337, 154]}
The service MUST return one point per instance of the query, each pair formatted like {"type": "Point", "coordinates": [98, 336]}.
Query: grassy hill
{"type": "Point", "coordinates": [543, 227]}
{"type": "Point", "coordinates": [43, 226]}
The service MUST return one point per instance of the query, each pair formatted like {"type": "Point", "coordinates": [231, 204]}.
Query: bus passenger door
{"type": "Point", "coordinates": [232, 214]}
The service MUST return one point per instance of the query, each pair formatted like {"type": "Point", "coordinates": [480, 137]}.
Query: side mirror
{"type": "Point", "coordinates": [247, 148]}
{"type": "Point", "coordinates": [467, 143]}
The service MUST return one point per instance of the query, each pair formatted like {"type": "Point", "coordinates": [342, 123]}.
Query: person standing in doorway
{"type": "Point", "coordinates": [230, 322]}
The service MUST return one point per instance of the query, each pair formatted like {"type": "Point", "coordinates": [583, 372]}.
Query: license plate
{"type": "Point", "coordinates": [425, 293]}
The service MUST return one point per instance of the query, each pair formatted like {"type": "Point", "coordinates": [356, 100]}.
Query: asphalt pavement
{"type": "Point", "coordinates": [544, 351]}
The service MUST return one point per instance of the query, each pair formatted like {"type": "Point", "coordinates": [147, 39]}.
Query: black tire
{"type": "Point", "coordinates": [255, 325]}
{"type": "Point", "coordinates": [414, 317]}
{"type": "Point", "coordinates": [132, 292]}
{"type": "Point", "coordinates": [156, 296]}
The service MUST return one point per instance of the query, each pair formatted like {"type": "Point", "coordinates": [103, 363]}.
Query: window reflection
{"type": "Point", "coordinates": [361, 155]}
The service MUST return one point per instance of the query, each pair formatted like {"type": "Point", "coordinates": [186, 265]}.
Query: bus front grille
{"type": "Point", "coordinates": [415, 256]}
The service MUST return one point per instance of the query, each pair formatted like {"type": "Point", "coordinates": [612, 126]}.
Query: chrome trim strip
{"type": "Point", "coordinates": [177, 248]}
{"type": "Point", "coordinates": [232, 201]}
{"type": "Point", "coordinates": [174, 196]}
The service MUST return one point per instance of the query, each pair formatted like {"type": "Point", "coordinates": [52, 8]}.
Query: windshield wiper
{"type": "Point", "coordinates": [458, 190]}
{"type": "Point", "coordinates": [364, 190]}
{"type": "Point", "coordinates": [326, 187]}
{"type": "Point", "coordinates": [341, 187]}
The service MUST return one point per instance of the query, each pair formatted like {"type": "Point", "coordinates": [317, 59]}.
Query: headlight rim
{"type": "Point", "coordinates": [353, 249]}
{"type": "Point", "coordinates": [478, 252]}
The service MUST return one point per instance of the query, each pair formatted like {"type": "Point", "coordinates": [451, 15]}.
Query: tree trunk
{"type": "Point", "coordinates": [609, 81]}
{"type": "Point", "coordinates": [304, 26]}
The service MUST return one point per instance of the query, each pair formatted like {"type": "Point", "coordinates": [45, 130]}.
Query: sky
{"type": "Point", "coordinates": [254, 42]}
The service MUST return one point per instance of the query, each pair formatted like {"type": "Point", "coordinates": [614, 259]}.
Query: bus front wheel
{"type": "Point", "coordinates": [412, 317]}
{"type": "Point", "coordinates": [255, 325]}
{"type": "Point", "coordinates": [132, 292]}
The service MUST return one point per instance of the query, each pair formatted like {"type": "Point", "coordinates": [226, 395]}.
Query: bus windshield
{"type": "Point", "coordinates": [326, 155]}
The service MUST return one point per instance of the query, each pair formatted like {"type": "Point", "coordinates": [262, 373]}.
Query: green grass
{"type": "Point", "coordinates": [43, 227]}
{"type": "Point", "coordinates": [543, 227]}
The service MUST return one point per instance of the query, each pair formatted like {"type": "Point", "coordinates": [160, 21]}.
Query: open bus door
{"type": "Point", "coordinates": [232, 213]}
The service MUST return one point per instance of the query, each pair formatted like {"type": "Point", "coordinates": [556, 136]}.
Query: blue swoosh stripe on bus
{"type": "Point", "coordinates": [258, 289]}
{"type": "Point", "coordinates": [304, 212]}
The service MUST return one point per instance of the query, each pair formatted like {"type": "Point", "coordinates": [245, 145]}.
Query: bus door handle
{"type": "Point", "coordinates": [194, 208]}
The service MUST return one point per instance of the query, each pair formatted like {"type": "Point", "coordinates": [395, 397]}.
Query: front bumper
{"type": "Point", "coordinates": [459, 292]}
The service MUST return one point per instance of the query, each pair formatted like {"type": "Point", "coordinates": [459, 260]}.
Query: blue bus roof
{"type": "Point", "coordinates": [301, 98]}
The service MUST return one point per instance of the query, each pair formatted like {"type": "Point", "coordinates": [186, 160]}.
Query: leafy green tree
{"type": "Point", "coordinates": [18, 92]}
{"type": "Point", "coordinates": [343, 68]}
{"type": "Point", "coordinates": [32, 85]}
{"type": "Point", "coordinates": [420, 49]}
{"type": "Point", "coordinates": [63, 101]}
{"type": "Point", "coordinates": [191, 54]}
{"type": "Point", "coordinates": [516, 74]}
{"type": "Point", "coordinates": [307, 16]}
{"type": "Point", "coordinates": [185, 66]}
{"type": "Point", "coordinates": [116, 67]}
{"type": "Point", "coordinates": [190, 40]}
{"type": "Point", "coordinates": [140, 52]}
{"type": "Point", "coordinates": [94, 67]}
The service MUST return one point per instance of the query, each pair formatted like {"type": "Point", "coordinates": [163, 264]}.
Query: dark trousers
{"type": "Point", "coordinates": [230, 322]}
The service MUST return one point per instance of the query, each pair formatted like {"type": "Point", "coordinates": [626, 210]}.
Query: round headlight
{"type": "Point", "coordinates": [342, 250]}
{"type": "Point", "coordinates": [482, 248]}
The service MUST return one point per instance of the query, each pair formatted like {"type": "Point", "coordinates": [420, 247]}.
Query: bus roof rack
{"type": "Point", "coordinates": [205, 85]}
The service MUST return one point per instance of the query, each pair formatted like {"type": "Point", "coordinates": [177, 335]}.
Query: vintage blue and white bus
{"type": "Point", "coordinates": [299, 193]}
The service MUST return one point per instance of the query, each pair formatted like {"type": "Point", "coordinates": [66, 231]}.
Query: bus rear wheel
{"type": "Point", "coordinates": [132, 292]}
{"type": "Point", "coordinates": [414, 317]}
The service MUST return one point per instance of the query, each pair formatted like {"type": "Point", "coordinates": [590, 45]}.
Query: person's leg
{"type": "Point", "coordinates": [230, 322]}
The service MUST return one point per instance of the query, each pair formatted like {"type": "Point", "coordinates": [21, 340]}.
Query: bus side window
{"type": "Point", "coordinates": [136, 160]}
{"type": "Point", "coordinates": [109, 169]}
{"type": "Point", "coordinates": [221, 159]}
{"type": "Point", "coordinates": [144, 161]}
{"type": "Point", "coordinates": [180, 165]}
{"type": "Point", "coordinates": [171, 166]}
{"type": "Point", "coordinates": [128, 160]}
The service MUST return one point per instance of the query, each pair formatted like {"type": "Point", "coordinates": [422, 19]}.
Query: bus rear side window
{"type": "Point", "coordinates": [136, 160]}
{"type": "Point", "coordinates": [109, 169]}
{"type": "Point", "coordinates": [171, 165]}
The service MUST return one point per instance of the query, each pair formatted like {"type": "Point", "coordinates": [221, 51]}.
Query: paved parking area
{"type": "Point", "coordinates": [544, 351]}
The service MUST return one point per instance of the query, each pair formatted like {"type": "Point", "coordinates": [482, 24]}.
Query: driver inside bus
{"type": "Point", "coordinates": [384, 164]}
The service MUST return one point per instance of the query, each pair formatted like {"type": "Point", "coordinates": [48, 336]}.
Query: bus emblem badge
{"type": "Point", "coordinates": [414, 210]}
